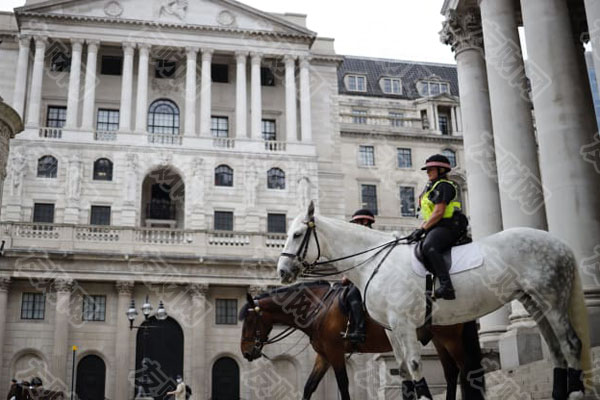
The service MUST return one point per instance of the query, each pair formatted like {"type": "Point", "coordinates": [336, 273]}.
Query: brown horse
{"type": "Point", "coordinates": [316, 308]}
{"type": "Point", "coordinates": [27, 391]}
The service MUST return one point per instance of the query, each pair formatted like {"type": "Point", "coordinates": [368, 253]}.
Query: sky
{"type": "Point", "coordinates": [397, 29]}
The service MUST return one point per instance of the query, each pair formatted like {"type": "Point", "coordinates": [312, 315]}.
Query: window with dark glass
{"type": "Point", "coordinates": [43, 212]}
{"type": "Point", "coordinates": [366, 155]}
{"type": "Point", "coordinates": [276, 223]}
{"type": "Point", "coordinates": [369, 197]}
{"type": "Point", "coordinates": [267, 77]}
{"type": "Point", "coordinates": [108, 120]}
{"type": "Point", "coordinates": [111, 65]}
{"type": "Point", "coordinates": [451, 155]}
{"type": "Point", "coordinates": [60, 63]}
{"type": "Point", "coordinates": [276, 179]}
{"type": "Point", "coordinates": [165, 69]}
{"type": "Point", "coordinates": [359, 116]}
{"type": "Point", "coordinates": [404, 158]}
{"type": "Point", "coordinates": [223, 221]}
{"type": "Point", "coordinates": [94, 308]}
{"type": "Point", "coordinates": [443, 121]}
{"type": "Point", "coordinates": [100, 215]}
{"type": "Point", "coordinates": [47, 167]}
{"type": "Point", "coordinates": [226, 311]}
{"type": "Point", "coordinates": [33, 306]}
{"type": "Point", "coordinates": [407, 201]}
{"type": "Point", "coordinates": [103, 169]}
{"type": "Point", "coordinates": [163, 117]}
{"type": "Point", "coordinates": [223, 176]}
{"type": "Point", "coordinates": [56, 117]}
{"type": "Point", "coordinates": [220, 73]}
{"type": "Point", "coordinates": [268, 129]}
{"type": "Point", "coordinates": [219, 126]}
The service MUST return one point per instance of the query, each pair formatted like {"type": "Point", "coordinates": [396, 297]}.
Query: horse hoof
{"type": "Point", "coordinates": [576, 395]}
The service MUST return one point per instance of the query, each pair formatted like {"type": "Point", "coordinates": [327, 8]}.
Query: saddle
{"type": "Point", "coordinates": [447, 255]}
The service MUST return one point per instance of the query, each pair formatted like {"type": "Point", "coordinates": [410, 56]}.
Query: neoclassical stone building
{"type": "Point", "coordinates": [167, 146]}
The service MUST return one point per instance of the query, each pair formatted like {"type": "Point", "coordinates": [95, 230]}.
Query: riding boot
{"type": "Point", "coordinates": [446, 290]}
{"type": "Point", "coordinates": [358, 329]}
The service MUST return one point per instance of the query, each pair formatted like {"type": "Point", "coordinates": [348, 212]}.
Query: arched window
{"type": "Point", "coordinates": [276, 179]}
{"type": "Point", "coordinates": [225, 379]}
{"type": "Point", "coordinates": [47, 167]}
{"type": "Point", "coordinates": [103, 169]}
{"type": "Point", "coordinates": [451, 156]}
{"type": "Point", "coordinates": [163, 117]}
{"type": "Point", "coordinates": [223, 176]}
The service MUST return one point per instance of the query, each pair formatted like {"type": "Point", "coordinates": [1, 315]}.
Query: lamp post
{"type": "Point", "coordinates": [132, 313]}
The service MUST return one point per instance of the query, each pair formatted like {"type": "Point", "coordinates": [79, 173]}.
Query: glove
{"type": "Point", "coordinates": [416, 235]}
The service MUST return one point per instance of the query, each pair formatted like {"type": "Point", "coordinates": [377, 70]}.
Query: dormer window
{"type": "Point", "coordinates": [432, 88]}
{"type": "Point", "coordinates": [356, 83]}
{"type": "Point", "coordinates": [391, 85]}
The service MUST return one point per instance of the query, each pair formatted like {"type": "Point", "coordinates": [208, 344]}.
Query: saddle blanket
{"type": "Point", "coordinates": [465, 257]}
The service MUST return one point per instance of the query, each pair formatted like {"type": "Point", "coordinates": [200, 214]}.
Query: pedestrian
{"type": "Point", "coordinates": [179, 391]}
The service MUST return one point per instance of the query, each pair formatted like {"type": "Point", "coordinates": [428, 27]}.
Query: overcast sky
{"type": "Point", "coordinates": [400, 29]}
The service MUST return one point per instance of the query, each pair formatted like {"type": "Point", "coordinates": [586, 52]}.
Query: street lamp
{"type": "Point", "coordinates": [132, 313]}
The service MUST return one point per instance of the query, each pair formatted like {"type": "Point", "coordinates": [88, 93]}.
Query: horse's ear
{"type": "Point", "coordinates": [250, 299]}
{"type": "Point", "coordinates": [311, 210]}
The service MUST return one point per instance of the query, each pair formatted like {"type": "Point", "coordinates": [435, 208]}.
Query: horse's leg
{"type": "Point", "coordinates": [450, 369]}
{"type": "Point", "coordinates": [341, 376]}
{"type": "Point", "coordinates": [319, 369]}
{"type": "Point", "coordinates": [406, 348]}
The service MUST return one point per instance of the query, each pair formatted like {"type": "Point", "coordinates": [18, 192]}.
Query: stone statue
{"type": "Point", "coordinates": [74, 184]}
{"type": "Point", "coordinates": [251, 188]}
{"type": "Point", "coordinates": [132, 177]}
{"type": "Point", "coordinates": [198, 173]}
{"type": "Point", "coordinates": [18, 169]}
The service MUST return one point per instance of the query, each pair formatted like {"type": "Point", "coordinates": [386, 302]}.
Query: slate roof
{"type": "Point", "coordinates": [408, 71]}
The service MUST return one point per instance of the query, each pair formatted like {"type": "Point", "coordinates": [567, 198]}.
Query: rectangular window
{"type": "Point", "coordinates": [267, 78]}
{"type": "Point", "coordinates": [100, 215]}
{"type": "Point", "coordinates": [111, 65]}
{"type": "Point", "coordinates": [444, 88]}
{"type": "Point", "coordinates": [268, 129]}
{"type": "Point", "coordinates": [57, 116]}
{"type": "Point", "coordinates": [43, 212]}
{"type": "Point", "coordinates": [276, 223]}
{"type": "Point", "coordinates": [443, 121]}
{"type": "Point", "coordinates": [220, 73]}
{"type": "Point", "coordinates": [94, 308]}
{"type": "Point", "coordinates": [359, 116]}
{"type": "Point", "coordinates": [223, 221]}
{"type": "Point", "coordinates": [366, 155]}
{"type": "Point", "coordinates": [108, 120]}
{"type": "Point", "coordinates": [404, 158]}
{"type": "Point", "coordinates": [226, 311]}
{"type": "Point", "coordinates": [165, 69]}
{"type": "Point", "coordinates": [33, 306]}
{"type": "Point", "coordinates": [369, 197]}
{"type": "Point", "coordinates": [396, 119]}
{"type": "Point", "coordinates": [407, 201]}
{"type": "Point", "coordinates": [392, 86]}
{"type": "Point", "coordinates": [219, 126]}
{"type": "Point", "coordinates": [357, 83]}
{"type": "Point", "coordinates": [434, 89]}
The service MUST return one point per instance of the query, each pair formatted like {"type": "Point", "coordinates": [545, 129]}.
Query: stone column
{"type": "Point", "coordinates": [4, 288]}
{"type": "Point", "coordinates": [256, 93]}
{"type": "Point", "coordinates": [241, 109]}
{"type": "Point", "coordinates": [190, 91]}
{"type": "Point", "coordinates": [206, 93]}
{"type": "Point", "coordinates": [290, 98]}
{"type": "Point", "coordinates": [89, 97]}
{"type": "Point", "coordinates": [60, 349]}
{"type": "Point", "coordinates": [123, 390]}
{"type": "Point", "coordinates": [566, 125]}
{"type": "Point", "coordinates": [200, 307]}
{"type": "Point", "coordinates": [126, 87]}
{"type": "Point", "coordinates": [141, 111]}
{"type": "Point", "coordinates": [592, 11]}
{"type": "Point", "coordinates": [21, 79]}
{"type": "Point", "coordinates": [305, 113]}
{"type": "Point", "coordinates": [463, 33]}
{"type": "Point", "coordinates": [74, 82]}
{"type": "Point", "coordinates": [35, 96]}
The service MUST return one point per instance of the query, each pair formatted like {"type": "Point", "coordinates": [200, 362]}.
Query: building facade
{"type": "Point", "coordinates": [167, 146]}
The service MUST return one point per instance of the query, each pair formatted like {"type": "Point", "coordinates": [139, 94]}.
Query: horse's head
{"type": "Point", "coordinates": [255, 330]}
{"type": "Point", "coordinates": [301, 248]}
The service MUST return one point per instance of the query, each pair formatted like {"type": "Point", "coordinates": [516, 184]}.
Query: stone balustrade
{"type": "Point", "coordinates": [50, 133]}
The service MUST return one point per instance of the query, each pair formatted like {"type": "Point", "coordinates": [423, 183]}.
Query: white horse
{"type": "Point", "coordinates": [522, 264]}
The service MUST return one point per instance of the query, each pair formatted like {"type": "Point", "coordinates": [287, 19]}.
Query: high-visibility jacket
{"type": "Point", "coordinates": [427, 205]}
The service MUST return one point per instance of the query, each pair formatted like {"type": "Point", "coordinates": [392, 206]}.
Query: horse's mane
{"type": "Point", "coordinates": [244, 310]}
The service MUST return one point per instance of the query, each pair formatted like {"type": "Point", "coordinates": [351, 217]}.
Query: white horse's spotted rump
{"type": "Point", "coordinates": [464, 258]}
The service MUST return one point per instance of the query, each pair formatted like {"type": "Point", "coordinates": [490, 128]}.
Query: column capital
{"type": "Point", "coordinates": [144, 47]}
{"type": "Point", "coordinates": [191, 51]}
{"type": "Point", "coordinates": [92, 45]}
{"type": "Point", "coordinates": [4, 283]}
{"type": "Point", "coordinates": [77, 44]}
{"type": "Point", "coordinates": [24, 40]}
{"type": "Point", "coordinates": [289, 58]}
{"type": "Point", "coordinates": [125, 287]}
{"type": "Point", "coordinates": [305, 61]}
{"type": "Point", "coordinates": [128, 47]}
{"type": "Point", "coordinates": [198, 289]}
{"type": "Point", "coordinates": [63, 285]}
{"type": "Point", "coordinates": [40, 41]}
{"type": "Point", "coordinates": [207, 54]}
{"type": "Point", "coordinates": [241, 56]}
{"type": "Point", "coordinates": [462, 31]}
{"type": "Point", "coordinates": [256, 57]}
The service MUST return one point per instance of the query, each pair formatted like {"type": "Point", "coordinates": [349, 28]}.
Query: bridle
{"type": "Point", "coordinates": [303, 248]}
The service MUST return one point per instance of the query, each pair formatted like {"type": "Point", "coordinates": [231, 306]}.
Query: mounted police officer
{"type": "Point", "coordinates": [444, 223]}
{"type": "Point", "coordinates": [358, 327]}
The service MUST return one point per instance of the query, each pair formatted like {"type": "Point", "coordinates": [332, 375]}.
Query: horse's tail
{"type": "Point", "coordinates": [472, 349]}
{"type": "Point", "coordinates": [579, 320]}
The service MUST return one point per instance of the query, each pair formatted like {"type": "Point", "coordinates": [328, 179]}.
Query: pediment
{"type": "Point", "coordinates": [207, 13]}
